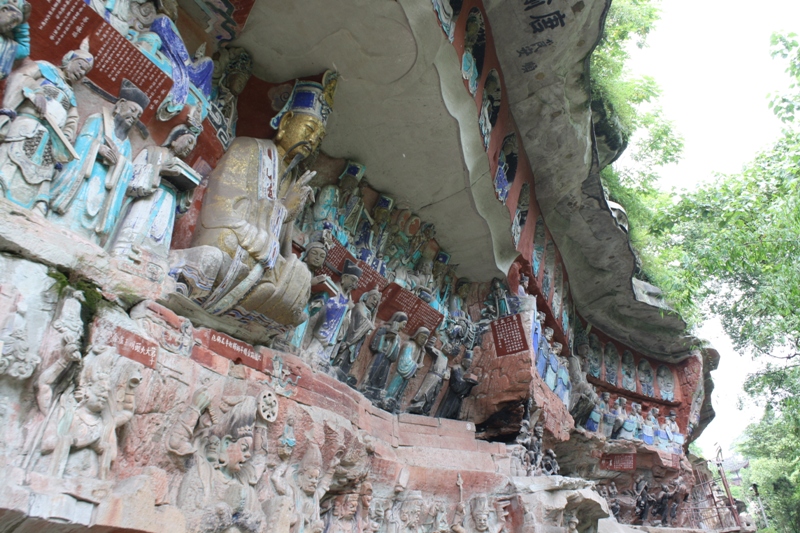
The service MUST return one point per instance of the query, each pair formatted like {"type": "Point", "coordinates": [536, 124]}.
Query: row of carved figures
{"type": "Point", "coordinates": [220, 442]}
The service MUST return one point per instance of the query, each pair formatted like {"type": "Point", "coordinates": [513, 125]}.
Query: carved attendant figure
{"type": "Point", "coordinates": [386, 344]}
{"type": "Point", "coordinates": [88, 195]}
{"type": "Point", "coordinates": [362, 322]}
{"type": "Point", "coordinates": [333, 314]}
{"type": "Point", "coordinates": [80, 435]}
{"type": "Point", "coordinates": [432, 384]}
{"type": "Point", "coordinates": [408, 361]}
{"type": "Point", "coordinates": [40, 104]}
{"type": "Point", "coordinates": [160, 183]}
{"type": "Point", "coordinates": [459, 386]}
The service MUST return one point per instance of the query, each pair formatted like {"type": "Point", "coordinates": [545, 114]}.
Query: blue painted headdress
{"type": "Point", "coordinates": [310, 98]}
{"type": "Point", "coordinates": [354, 169]}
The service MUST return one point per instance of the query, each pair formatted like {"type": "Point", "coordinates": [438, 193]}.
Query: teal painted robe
{"type": "Point", "coordinates": [86, 197]}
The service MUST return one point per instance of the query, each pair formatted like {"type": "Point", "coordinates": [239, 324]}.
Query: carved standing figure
{"type": "Point", "coordinates": [161, 183]}
{"type": "Point", "coordinates": [423, 400]}
{"type": "Point", "coordinates": [332, 316]}
{"type": "Point", "coordinates": [242, 248]}
{"type": "Point", "coordinates": [409, 359]}
{"type": "Point", "coordinates": [386, 344]}
{"type": "Point", "coordinates": [39, 118]}
{"type": "Point", "coordinates": [459, 386]}
{"type": "Point", "coordinates": [362, 322]}
{"type": "Point", "coordinates": [80, 435]}
{"type": "Point", "coordinates": [88, 194]}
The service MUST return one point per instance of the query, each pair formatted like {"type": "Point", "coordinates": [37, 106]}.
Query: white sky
{"type": "Point", "coordinates": [712, 61]}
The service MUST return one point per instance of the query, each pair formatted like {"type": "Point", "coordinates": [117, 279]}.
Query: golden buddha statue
{"type": "Point", "coordinates": [241, 260]}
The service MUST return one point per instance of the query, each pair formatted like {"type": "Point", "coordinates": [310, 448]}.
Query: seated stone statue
{"type": "Point", "coordinates": [241, 255]}
{"type": "Point", "coordinates": [39, 99]}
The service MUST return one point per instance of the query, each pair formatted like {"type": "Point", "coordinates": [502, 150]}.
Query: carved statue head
{"type": "Point", "coordinates": [466, 363]}
{"type": "Point", "coordinates": [366, 494]}
{"type": "Point", "coordinates": [480, 514]}
{"type": "Point", "coordinates": [421, 336]}
{"type": "Point", "coordinates": [548, 334]}
{"type": "Point", "coordinates": [12, 14]}
{"type": "Point", "coordinates": [345, 505]}
{"type": "Point", "coordinates": [371, 298]}
{"type": "Point", "coordinates": [315, 256]}
{"type": "Point", "coordinates": [541, 317]}
{"type": "Point", "coordinates": [557, 348]}
{"type": "Point", "coordinates": [399, 321]}
{"type": "Point", "coordinates": [411, 509]}
{"type": "Point", "coordinates": [301, 122]}
{"type": "Point", "coordinates": [350, 276]}
{"type": "Point", "coordinates": [235, 432]}
{"type": "Point", "coordinates": [181, 140]}
{"type": "Point", "coordinates": [233, 69]}
{"type": "Point", "coordinates": [129, 107]}
{"type": "Point", "coordinates": [95, 379]}
{"type": "Point", "coordinates": [309, 470]}
{"type": "Point", "coordinates": [77, 63]}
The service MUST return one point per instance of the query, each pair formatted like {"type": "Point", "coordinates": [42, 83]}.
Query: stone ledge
{"type": "Point", "coordinates": [33, 237]}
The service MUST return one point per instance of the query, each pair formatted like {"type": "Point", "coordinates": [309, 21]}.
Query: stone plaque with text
{"type": "Point", "coordinates": [509, 335]}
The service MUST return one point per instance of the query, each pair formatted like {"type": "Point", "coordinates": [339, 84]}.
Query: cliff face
{"type": "Point", "coordinates": [416, 338]}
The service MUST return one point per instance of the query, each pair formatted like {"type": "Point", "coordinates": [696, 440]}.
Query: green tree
{"type": "Point", "coordinates": [773, 447]}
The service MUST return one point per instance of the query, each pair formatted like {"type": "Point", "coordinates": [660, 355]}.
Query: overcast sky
{"type": "Point", "coordinates": [712, 61]}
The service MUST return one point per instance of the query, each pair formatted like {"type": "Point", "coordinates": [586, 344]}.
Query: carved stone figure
{"type": "Point", "coordinates": [15, 34]}
{"type": "Point", "coordinates": [549, 463]}
{"type": "Point", "coordinates": [636, 414]}
{"type": "Point", "coordinates": [88, 194]}
{"type": "Point", "coordinates": [79, 437]}
{"type": "Point", "coordinates": [583, 397]}
{"type": "Point", "coordinates": [17, 360]}
{"type": "Point", "coordinates": [497, 304]}
{"type": "Point", "coordinates": [423, 400]}
{"type": "Point", "coordinates": [650, 427]}
{"type": "Point", "coordinates": [459, 386]}
{"type": "Point", "coordinates": [220, 445]}
{"type": "Point", "coordinates": [628, 371]}
{"type": "Point", "coordinates": [242, 245]}
{"type": "Point", "coordinates": [232, 71]}
{"type": "Point", "coordinates": [38, 123]}
{"type": "Point", "coordinates": [307, 486]}
{"type": "Point", "coordinates": [409, 359]}
{"type": "Point", "coordinates": [620, 413]}
{"type": "Point", "coordinates": [595, 357]}
{"type": "Point", "coordinates": [662, 500]}
{"type": "Point", "coordinates": [481, 518]}
{"type": "Point", "coordinates": [333, 317]}
{"type": "Point", "coordinates": [386, 345]}
{"type": "Point", "coordinates": [611, 363]}
{"type": "Point", "coordinates": [362, 322]}
{"type": "Point", "coordinates": [342, 518]}
{"type": "Point", "coordinates": [646, 377]}
{"type": "Point", "coordinates": [543, 351]}
{"type": "Point", "coordinates": [666, 383]}
{"type": "Point", "coordinates": [161, 184]}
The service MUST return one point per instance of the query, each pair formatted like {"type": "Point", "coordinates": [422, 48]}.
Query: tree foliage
{"type": "Point", "coordinates": [773, 447]}
{"type": "Point", "coordinates": [633, 103]}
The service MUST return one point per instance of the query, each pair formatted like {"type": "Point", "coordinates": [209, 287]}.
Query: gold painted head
{"type": "Point", "coordinates": [299, 134]}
